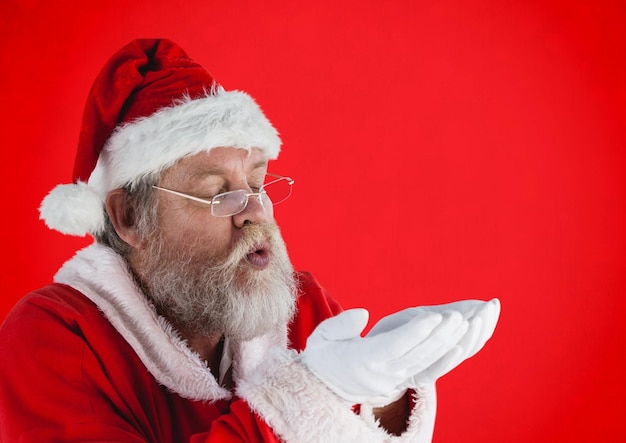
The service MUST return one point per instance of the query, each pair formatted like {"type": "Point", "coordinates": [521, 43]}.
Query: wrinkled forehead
{"type": "Point", "coordinates": [221, 161]}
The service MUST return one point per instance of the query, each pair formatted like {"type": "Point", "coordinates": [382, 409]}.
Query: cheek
{"type": "Point", "coordinates": [198, 228]}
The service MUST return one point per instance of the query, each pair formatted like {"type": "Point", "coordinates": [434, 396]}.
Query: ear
{"type": "Point", "coordinates": [122, 217]}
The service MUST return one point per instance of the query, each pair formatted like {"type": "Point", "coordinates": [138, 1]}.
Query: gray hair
{"type": "Point", "coordinates": [140, 203]}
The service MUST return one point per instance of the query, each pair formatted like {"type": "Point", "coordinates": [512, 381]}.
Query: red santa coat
{"type": "Point", "coordinates": [89, 359]}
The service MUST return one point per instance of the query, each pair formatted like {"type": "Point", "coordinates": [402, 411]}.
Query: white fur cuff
{"type": "Point", "coordinates": [300, 408]}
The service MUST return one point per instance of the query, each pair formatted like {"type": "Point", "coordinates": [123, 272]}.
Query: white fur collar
{"type": "Point", "coordinates": [101, 275]}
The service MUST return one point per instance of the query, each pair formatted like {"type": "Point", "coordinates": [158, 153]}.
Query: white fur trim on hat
{"type": "Point", "coordinates": [151, 144]}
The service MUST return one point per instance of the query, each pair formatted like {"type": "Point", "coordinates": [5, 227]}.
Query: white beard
{"type": "Point", "coordinates": [202, 293]}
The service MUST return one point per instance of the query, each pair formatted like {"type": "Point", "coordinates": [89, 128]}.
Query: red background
{"type": "Point", "coordinates": [441, 150]}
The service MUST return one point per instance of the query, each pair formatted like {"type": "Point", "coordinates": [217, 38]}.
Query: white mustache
{"type": "Point", "coordinates": [252, 237]}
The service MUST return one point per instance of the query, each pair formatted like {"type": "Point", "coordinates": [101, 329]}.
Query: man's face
{"type": "Point", "coordinates": [216, 275]}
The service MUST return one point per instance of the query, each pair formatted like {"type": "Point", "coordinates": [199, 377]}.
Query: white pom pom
{"type": "Point", "coordinates": [74, 209]}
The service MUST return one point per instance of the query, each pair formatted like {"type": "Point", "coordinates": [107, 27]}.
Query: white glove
{"type": "Point", "coordinates": [482, 318]}
{"type": "Point", "coordinates": [359, 369]}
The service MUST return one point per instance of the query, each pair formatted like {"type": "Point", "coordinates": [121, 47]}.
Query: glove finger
{"type": "Point", "coordinates": [474, 339]}
{"type": "Point", "coordinates": [442, 339]}
{"type": "Point", "coordinates": [436, 354]}
{"type": "Point", "coordinates": [489, 316]}
{"type": "Point", "coordinates": [441, 367]}
{"type": "Point", "coordinates": [348, 324]}
{"type": "Point", "coordinates": [467, 308]}
{"type": "Point", "coordinates": [481, 328]}
{"type": "Point", "coordinates": [470, 343]}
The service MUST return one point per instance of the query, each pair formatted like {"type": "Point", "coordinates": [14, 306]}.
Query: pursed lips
{"type": "Point", "coordinates": [259, 256]}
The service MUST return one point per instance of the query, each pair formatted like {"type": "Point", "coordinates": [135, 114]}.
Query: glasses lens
{"type": "Point", "coordinates": [229, 203]}
{"type": "Point", "coordinates": [278, 190]}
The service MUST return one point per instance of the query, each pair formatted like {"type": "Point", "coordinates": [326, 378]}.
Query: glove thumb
{"type": "Point", "coordinates": [346, 325]}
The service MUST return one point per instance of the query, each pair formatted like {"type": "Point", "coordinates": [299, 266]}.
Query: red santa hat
{"type": "Point", "coordinates": [149, 106]}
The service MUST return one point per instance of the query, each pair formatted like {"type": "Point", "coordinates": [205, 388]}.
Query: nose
{"type": "Point", "coordinates": [255, 212]}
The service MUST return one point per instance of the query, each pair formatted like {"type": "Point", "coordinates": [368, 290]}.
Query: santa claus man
{"type": "Point", "coordinates": [184, 321]}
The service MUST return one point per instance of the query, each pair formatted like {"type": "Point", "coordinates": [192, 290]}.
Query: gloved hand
{"type": "Point", "coordinates": [482, 318]}
{"type": "Point", "coordinates": [359, 369]}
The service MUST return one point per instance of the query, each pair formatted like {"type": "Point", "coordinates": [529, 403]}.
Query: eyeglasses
{"type": "Point", "coordinates": [275, 189]}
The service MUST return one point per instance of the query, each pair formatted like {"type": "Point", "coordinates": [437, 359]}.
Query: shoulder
{"type": "Point", "coordinates": [312, 295]}
{"type": "Point", "coordinates": [56, 300]}
{"type": "Point", "coordinates": [52, 316]}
